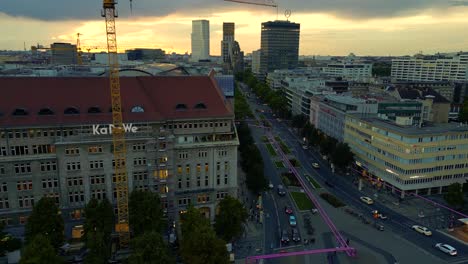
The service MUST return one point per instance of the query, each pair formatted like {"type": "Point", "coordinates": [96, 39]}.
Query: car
{"type": "Point", "coordinates": [315, 165]}
{"type": "Point", "coordinates": [295, 235]}
{"type": "Point", "coordinates": [442, 247]}
{"type": "Point", "coordinates": [281, 191]}
{"type": "Point", "coordinates": [366, 200]}
{"type": "Point", "coordinates": [305, 147]}
{"type": "Point", "coordinates": [313, 210]}
{"type": "Point", "coordinates": [271, 186]}
{"type": "Point", "coordinates": [292, 220]}
{"type": "Point", "coordinates": [288, 210]}
{"type": "Point", "coordinates": [379, 227]}
{"type": "Point", "coordinates": [421, 229]}
{"type": "Point", "coordinates": [285, 236]}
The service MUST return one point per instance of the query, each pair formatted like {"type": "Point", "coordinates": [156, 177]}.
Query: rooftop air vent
{"type": "Point", "coordinates": [20, 112]}
{"type": "Point", "coordinates": [71, 111]}
{"type": "Point", "coordinates": [45, 111]}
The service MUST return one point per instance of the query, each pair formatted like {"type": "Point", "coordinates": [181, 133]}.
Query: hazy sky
{"type": "Point", "coordinates": [328, 27]}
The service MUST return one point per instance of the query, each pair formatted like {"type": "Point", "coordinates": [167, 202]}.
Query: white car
{"type": "Point", "coordinates": [316, 165]}
{"type": "Point", "coordinates": [366, 200]}
{"type": "Point", "coordinates": [446, 249]}
{"type": "Point", "coordinates": [271, 186]}
{"type": "Point", "coordinates": [421, 229]}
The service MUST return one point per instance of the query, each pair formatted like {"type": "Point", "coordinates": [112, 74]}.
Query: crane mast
{"type": "Point", "coordinates": [118, 133]}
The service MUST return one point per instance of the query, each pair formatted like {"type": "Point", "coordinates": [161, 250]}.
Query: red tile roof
{"type": "Point", "coordinates": [158, 96]}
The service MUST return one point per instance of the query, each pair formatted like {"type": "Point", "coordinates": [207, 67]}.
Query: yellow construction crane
{"type": "Point", "coordinates": [118, 133]}
{"type": "Point", "coordinates": [258, 2]}
{"type": "Point", "coordinates": [78, 48]}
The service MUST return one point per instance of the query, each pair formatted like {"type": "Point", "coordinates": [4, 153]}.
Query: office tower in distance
{"type": "Point", "coordinates": [279, 45]}
{"type": "Point", "coordinates": [200, 40]}
{"type": "Point", "coordinates": [233, 57]}
{"type": "Point", "coordinates": [256, 61]}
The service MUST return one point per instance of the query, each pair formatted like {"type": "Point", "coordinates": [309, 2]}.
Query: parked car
{"type": "Point", "coordinates": [315, 165]}
{"type": "Point", "coordinates": [288, 210]}
{"type": "Point", "coordinates": [379, 227]}
{"type": "Point", "coordinates": [285, 236]}
{"type": "Point", "coordinates": [281, 190]}
{"type": "Point", "coordinates": [445, 248]}
{"type": "Point", "coordinates": [366, 200]}
{"type": "Point", "coordinates": [421, 229]}
{"type": "Point", "coordinates": [292, 220]}
{"type": "Point", "coordinates": [295, 235]}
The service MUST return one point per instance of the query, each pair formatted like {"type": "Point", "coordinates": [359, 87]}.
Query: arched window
{"type": "Point", "coordinates": [200, 106]}
{"type": "Point", "coordinates": [94, 110]}
{"type": "Point", "coordinates": [138, 109]}
{"type": "Point", "coordinates": [45, 111]}
{"type": "Point", "coordinates": [71, 111]}
{"type": "Point", "coordinates": [20, 112]}
{"type": "Point", "coordinates": [181, 107]}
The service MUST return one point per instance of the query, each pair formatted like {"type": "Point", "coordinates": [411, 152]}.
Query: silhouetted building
{"type": "Point", "coordinates": [63, 53]}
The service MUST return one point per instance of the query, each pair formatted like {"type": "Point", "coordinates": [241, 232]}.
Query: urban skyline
{"type": "Point", "coordinates": [432, 28]}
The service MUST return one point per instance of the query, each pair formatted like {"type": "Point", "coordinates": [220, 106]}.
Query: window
{"type": "Point", "coordinates": [71, 111]}
{"type": "Point", "coordinates": [22, 168]}
{"type": "Point", "coordinates": [226, 165]}
{"type": "Point", "coordinates": [139, 147]}
{"type": "Point", "coordinates": [138, 109]}
{"type": "Point", "coordinates": [187, 169]}
{"type": "Point", "coordinates": [184, 201]}
{"type": "Point", "coordinates": [122, 162]}
{"type": "Point", "coordinates": [54, 196]}
{"type": "Point", "coordinates": [221, 195]}
{"type": "Point", "coordinates": [200, 106]}
{"type": "Point", "coordinates": [72, 151]}
{"type": "Point", "coordinates": [5, 221]}
{"type": "Point", "coordinates": [218, 179]}
{"type": "Point", "coordinates": [96, 164]}
{"type": "Point", "coordinates": [198, 168]}
{"type": "Point", "coordinates": [3, 151]}
{"type": "Point", "coordinates": [218, 166]}
{"type": "Point", "coordinates": [94, 110]}
{"type": "Point", "coordinates": [76, 197]}
{"type": "Point", "coordinates": [139, 161]}
{"type": "Point", "coordinates": [163, 174]}
{"type": "Point", "coordinates": [183, 155]}
{"type": "Point", "coordinates": [2, 170]}
{"type": "Point", "coordinates": [26, 201]}
{"type": "Point", "coordinates": [206, 180]}
{"type": "Point", "coordinates": [43, 149]}
{"type": "Point", "coordinates": [179, 169]}
{"type": "Point", "coordinates": [45, 111]}
{"type": "Point", "coordinates": [181, 107]}
{"type": "Point", "coordinates": [203, 198]}
{"type": "Point", "coordinates": [99, 194]}
{"type": "Point", "coordinates": [179, 181]}
{"type": "Point", "coordinates": [4, 187]}
{"type": "Point", "coordinates": [49, 183]}
{"type": "Point", "coordinates": [207, 168]}
{"type": "Point", "coordinates": [97, 179]}
{"type": "Point", "coordinates": [4, 204]}
{"type": "Point", "coordinates": [202, 154]}
{"type": "Point", "coordinates": [75, 181]}
{"type": "Point", "coordinates": [48, 166]}
{"type": "Point", "coordinates": [19, 150]}
{"type": "Point", "coordinates": [20, 112]}
{"type": "Point", "coordinates": [187, 182]}
{"type": "Point", "coordinates": [95, 149]}
{"type": "Point", "coordinates": [225, 179]}
{"type": "Point", "coordinates": [73, 166]}
{"type": "Point", "coordinates": [140, 175]}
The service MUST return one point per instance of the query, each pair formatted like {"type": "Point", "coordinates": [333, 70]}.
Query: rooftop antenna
{"type": "Point", "coordinates": [287, 14]}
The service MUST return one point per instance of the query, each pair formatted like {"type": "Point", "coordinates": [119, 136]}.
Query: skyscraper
{"type": "Point", "coordinates": [279, 45]}
{"type": "Point", "coordinates": [233, 57]}
{"type": "Point", "coordinates": [200, 40]}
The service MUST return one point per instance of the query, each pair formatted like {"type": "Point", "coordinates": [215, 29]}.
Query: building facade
{"type": "Point", "coordinates": [256, 56]}
{"type": "Point", "coordinates": [182, 144]}
{"type": "Point", "coordinates": [279, 45]}
{"type": "Point", "coordinates": [63, 53]}
{"type": "Point", "coordinates": [410, 159]}
{"type": "Point", "coordinates": [349, 71]}
{"type": "Point", "coordinates": [431, 68]}
{"type": "Point", "coordinates": [200, 40]}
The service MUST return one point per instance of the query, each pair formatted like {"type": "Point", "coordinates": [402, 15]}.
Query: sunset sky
{"type": "Point", "coordinates": [328, 27]}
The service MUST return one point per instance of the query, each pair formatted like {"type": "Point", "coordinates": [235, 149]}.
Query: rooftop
{"type": "Point", "coordinates": [429, 129]}
{"type": "Point", "coordinates": [38, 101]}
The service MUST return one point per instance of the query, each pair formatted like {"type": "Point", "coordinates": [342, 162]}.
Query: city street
{"type": "Point", "coordinates": [405, 245]}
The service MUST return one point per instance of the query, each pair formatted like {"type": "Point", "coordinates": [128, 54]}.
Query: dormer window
{"type": "Point", "coordinates": [94, 110]}
{"type": "Point", "coordinates": [20, 112]}
{"type": "Point", "coordinates": [200, 106]}
{"type": "Point", "coordinates": [71, 111]}
{"type": "Point", "coordinates": [181, 107]}
{"type": "Point", "coordinates": [45, 111]}
{"type": "Point", "coordinates": [138, 109]}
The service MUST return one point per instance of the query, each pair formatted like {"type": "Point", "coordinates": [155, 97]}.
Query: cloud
{"type": "Point", "coordinates": [90, 9]}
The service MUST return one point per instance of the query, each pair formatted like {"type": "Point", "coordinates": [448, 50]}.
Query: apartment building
{"type": "Point", "coordinates": [431, 68]}
{"type": "Point", "coordinates": [55, 141]}
{"type": "Point", "coordinates": [349, 70]}
{"type": "Point", "coordinates": [411, 159]}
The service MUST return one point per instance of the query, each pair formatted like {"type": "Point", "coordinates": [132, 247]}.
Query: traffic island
{"type": "Point", "coordinates": [332, 200]}
{"type": "Point", "coordinates": [279, 164]}
{"type": "Point", "coordinates": [271, 150]}
{"type": "Point", "coordinates": [302, 201]}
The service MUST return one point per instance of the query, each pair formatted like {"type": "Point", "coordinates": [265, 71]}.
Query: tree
{"type": "Point", "coordinates": [150, 248]}
{"type": "Point", "coordinates": [327, 144]}
{"type": "Point", "coordinates": [45, 220]}
{"type": "Point", "coordinates": [7, 242]}
{"type": "Point", "coordinates": [199, 243]}
{"type": "Point", "coordinates": [145, 212]}
{"type": "Point", "coordinates": [255, 180]}
{"type": "Point", "coordinates": [454, 195]}
{"type": "Point", "coordinates": [342, 156]}
{"type": "Point", "coordinates": [299, 121]}
{"type": "Point", "coordinates": [229, 221]}
{"type": "Point", "coordinates": [381, 69]}
{"type": "Point", "coordinates": [463, 116]}
{"type": "Point", "coordinates": [39, 250]}
{"type": "Point", "coordinates": [98, 228]}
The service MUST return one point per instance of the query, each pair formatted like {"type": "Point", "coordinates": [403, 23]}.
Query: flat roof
{"type": "Point", "coordinates": [430, 129]}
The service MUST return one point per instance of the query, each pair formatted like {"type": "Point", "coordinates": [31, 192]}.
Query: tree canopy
{"type": "Point", "coordinates": [45, 220]}
{"type": "Point", "coordinates": [145, 211]}
{"type": "Point", "coordinates": [232, 215]}
{"type": "Point", "coordinates": [39, 250]}
{"type": "Point", "coordinates": [199, 243]}
{"type": "Point", "coordinates": [98, 228]}
{"type": "Point", "coordinates": [150, 248]}
{"type": "Point", "coordinates": [342, 156]}
{"type": "Point", "coordinates": [454, 195]}
{"type": "Point", "coordinates": [463, 116]}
